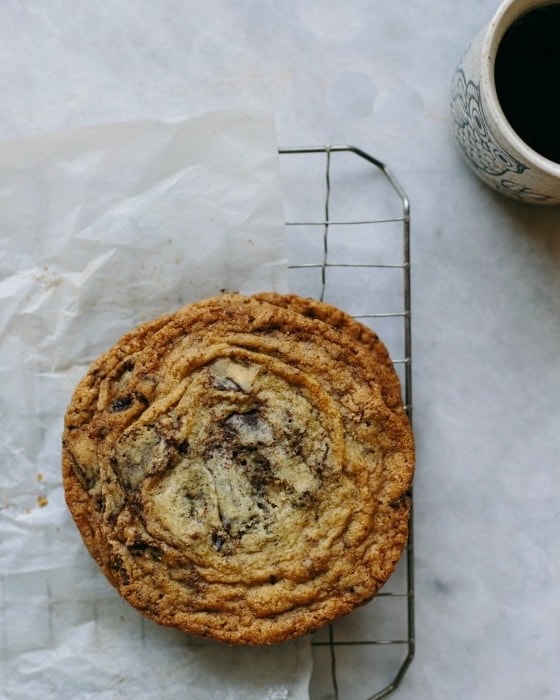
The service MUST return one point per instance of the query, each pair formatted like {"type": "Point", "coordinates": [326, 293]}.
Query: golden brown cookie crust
{"type": "Point", "coordinates": [240, 469]}
{"type": "Point", "coordinates": [343, 322]}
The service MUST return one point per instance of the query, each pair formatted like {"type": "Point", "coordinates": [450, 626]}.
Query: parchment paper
{"type": "Point", "coordinates": [102, 228]}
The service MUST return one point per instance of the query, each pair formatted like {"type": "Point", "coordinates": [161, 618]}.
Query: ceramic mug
{"type": "Point", "coordinates": [491, 82]}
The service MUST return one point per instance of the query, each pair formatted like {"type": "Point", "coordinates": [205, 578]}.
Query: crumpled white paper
{"type": "Point", "coordinates": [102, 228]}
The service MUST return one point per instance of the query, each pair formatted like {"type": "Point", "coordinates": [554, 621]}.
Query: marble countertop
{"type": "Point", "coordinates": [485, 273]}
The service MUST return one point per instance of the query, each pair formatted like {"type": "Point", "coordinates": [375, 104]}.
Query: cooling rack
{"type": "Point", "coordinates": [348, 228]}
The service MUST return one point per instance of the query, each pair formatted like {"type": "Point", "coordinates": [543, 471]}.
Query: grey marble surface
{"type": "Point", "coordinates": [486, 273]}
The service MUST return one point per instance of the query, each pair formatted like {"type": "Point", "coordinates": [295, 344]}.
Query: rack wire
{"type": "Point", "coordinates": [348, 225]}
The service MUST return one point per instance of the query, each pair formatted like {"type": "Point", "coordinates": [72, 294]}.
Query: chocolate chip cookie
{"type": "Point", "coordinates": [240, 469]}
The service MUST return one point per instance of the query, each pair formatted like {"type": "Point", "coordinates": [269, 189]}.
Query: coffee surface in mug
{"type": "Point", "coordinates": [527, 72]}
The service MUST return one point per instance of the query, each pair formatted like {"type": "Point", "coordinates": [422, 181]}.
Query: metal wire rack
{"type": "Point", "coordinates": [348, 227]}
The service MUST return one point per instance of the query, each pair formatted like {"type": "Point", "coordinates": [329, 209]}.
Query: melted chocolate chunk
{"type": "Point", "coordinates": [116, 564]}
{"type": "Point", "coordinates": [142, 452]}
{"type": "Point", "coordinates": [139, 548]}
{"type": "Point", "coordinates": [249, 419]}
{"type": "Point", "coordinates": [121, 404]}
{"type": "Point", "coordinates": [218, 541]}
{"type": "Point", "coordinates": [249, 428]}
{"type": "Point", "coordinates": [225, 384]}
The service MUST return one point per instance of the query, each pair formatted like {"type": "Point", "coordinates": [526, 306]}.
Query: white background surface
{"type": "Point", "coordinates": [486, 273]}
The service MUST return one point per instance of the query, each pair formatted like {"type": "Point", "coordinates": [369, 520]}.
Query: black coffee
{"type": "Point", "coordinates": [527, 73]}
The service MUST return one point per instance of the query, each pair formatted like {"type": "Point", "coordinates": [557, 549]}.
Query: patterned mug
{"type": "Point", "coordinates": [485, 136]}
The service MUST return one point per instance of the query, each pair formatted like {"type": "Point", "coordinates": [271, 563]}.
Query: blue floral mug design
{"type": "Point", "coordinates": [484, 136]}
